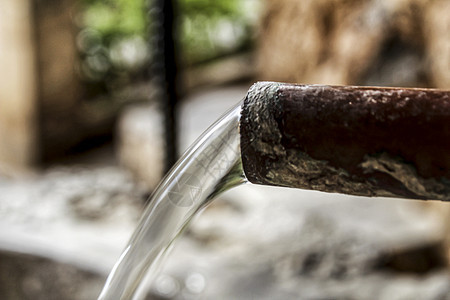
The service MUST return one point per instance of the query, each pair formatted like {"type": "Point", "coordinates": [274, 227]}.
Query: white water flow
{"type": "Point", "coordinates": [211, 166]}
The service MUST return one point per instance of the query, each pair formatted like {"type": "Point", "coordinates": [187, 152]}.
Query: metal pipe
{"type": "Point", "coordinates": [164, 13]}
{"type": "Point", "coordinates": [367, 141]}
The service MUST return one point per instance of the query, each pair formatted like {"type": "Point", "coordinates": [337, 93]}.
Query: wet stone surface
{"type": "Point", "coordinates": [254, 241]}
{"type": "Point", "coordinates": [27, 277]}
{"type": "Point", "coordinates": [271, 243]}
{"type": "Point", "coordinates": [62, 230]}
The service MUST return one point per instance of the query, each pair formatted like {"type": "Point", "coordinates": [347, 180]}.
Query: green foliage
{"type": "Point", "coordinates": [208, 29]}
{"type": "Point", "coordinates": [211, 28]}
{"type": "Point", "coordinates": [114, 18]}
{"type": "Point", "coordinates": [211, 8]}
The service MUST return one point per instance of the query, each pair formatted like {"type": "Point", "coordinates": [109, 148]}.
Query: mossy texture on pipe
{"type": "Point", "coordinates": [367, 141]}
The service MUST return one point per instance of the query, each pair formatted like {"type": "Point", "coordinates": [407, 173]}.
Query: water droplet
{"type": "Point", "coordinates": [167, 286]}
{"type": "Point", "coordinates": [195, 283]}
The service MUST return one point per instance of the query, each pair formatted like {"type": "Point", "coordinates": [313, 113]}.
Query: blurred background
{"type": "Point", "coordinates": [98, 98]}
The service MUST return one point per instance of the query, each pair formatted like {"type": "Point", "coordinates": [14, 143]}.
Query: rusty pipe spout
{"type": "Point", "coordinates": [366, 141]}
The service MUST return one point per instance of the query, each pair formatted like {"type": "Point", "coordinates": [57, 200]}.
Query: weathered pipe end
{"type": "Point", "coordinates": [366, 141]}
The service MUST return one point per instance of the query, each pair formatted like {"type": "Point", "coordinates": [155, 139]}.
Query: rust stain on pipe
{"type": "Point", "coordinates": [366, 141]}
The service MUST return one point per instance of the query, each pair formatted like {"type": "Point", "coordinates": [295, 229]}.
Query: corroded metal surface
{"type": "Point", "coordinates": [355, 140]}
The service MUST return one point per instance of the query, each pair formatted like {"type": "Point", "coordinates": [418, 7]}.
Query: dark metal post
{"type": "Point", "coordinates": [164, 16]}
{"type": "Point", "coordinates": [366, 141]}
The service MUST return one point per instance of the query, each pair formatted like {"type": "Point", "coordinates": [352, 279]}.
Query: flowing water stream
{"type": "Point", "coordinates": [211, 166]}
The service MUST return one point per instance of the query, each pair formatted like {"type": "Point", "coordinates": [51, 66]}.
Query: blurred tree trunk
{"type": "Point", "coordinates": [18, 84]}
{"type": "Point", "coordinates": [59, 89]}
{"type": "Point", "coordinates": [389, 42]}
{"type": "Point", "coordinates": [41, 112]}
